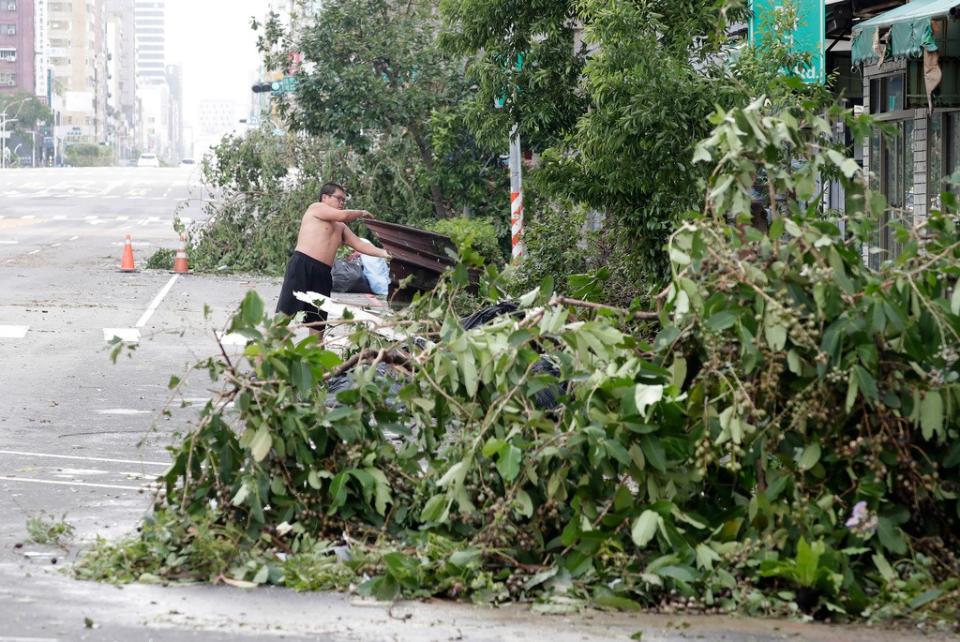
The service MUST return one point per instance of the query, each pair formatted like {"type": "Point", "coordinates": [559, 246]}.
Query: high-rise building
{"type": "Point", "coordinates": [150, 19]}
{"type": "Point", "coordinates": [40, 46]}
{"type": "Point", "coordinates": [121, 78]}
{"type": "Point", "coordinates": [17, 46]}
{"type": "Point", "coordinates": [175, 122]}
{"type": "Point", "coordinates": [77, 58]}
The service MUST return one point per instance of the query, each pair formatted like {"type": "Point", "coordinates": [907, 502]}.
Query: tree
{"type": "Point", "coordinates": [26, 108]}
{"type": "Point", "coordinates": [624, 118]}
{"type": "Point", "coordinates": [372, 71]}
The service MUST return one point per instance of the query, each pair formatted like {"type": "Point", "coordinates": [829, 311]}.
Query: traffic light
{"type": "Point", "coordinates": [263, 87]}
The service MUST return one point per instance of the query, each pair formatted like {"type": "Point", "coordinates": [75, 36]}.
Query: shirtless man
{"type": "Point", "coordinates": [322, 231]}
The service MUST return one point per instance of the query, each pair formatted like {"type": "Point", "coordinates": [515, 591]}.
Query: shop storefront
{"type": "Point", "coordinates": [910, 58]}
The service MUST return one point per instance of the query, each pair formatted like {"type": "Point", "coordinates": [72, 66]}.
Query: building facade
{"type": "Point", "coordinates": [17, 47]}
{"type": "Point", "coordinates": [77, 59]}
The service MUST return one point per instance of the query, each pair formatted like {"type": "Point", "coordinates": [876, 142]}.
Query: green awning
{"type": "Point", "coordinates": [910, 31]}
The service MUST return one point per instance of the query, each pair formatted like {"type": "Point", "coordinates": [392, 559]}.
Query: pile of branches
{"type": "Point", "coordinates": [788, 440]}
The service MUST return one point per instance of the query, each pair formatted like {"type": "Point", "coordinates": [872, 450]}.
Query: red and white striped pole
{"type": "Point", "coordinates": [516, 195]}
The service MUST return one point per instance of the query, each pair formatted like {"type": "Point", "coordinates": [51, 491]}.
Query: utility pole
{"type": "Point", "coordinates": [516, 195]}
{"type": "Point", "coordinates": [516, 176]}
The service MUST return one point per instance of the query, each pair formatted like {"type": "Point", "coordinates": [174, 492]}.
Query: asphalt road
{"type": "Point", "coordinates": [82, 438]}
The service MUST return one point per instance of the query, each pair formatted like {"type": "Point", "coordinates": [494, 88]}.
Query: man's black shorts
{"type": "Point", "coordinates": [304, 274]}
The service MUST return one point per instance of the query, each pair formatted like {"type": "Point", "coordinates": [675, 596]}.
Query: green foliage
{"type": "Point", "coordinates": [788, 440]}
{"type": "Point", "coordinates": [376, 72]}
{"type": "Point", "coordinates": [162, 259]}
{"type": "Point", "coordinates": [27, 109]}
{"type": "Point", "coordinates": [89, 155]}
{"type": "Point", "coordinates": [478, 234]}
{"type": "Point", "coordinates": [57, 532]}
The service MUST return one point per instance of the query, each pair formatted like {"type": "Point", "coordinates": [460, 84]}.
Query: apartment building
{"type": "Point", "coordinates": [17, 46]}
{"type": "Point", "coordinates": [77, 58]}
{"type": "Point", "coordinates": [121, 78]}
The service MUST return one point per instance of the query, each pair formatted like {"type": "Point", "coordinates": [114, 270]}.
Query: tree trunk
{"type": "Point", "coordinates": [426, 155]}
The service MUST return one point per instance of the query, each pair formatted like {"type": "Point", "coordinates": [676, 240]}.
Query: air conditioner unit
{"type": "Point", "coordinates": [11, 6]}
{"type": "Point", "coordinates": [12, 83]}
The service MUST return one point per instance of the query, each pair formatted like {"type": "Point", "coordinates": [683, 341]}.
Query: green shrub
{"type": "Point", "coordinates": [89, 155]}
{"type": "Point", "coordinates": [478, 233]}
{"type": "Point", "coordinates": [162, 259]}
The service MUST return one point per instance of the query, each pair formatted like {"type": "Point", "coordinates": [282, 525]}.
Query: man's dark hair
{"type": "Point", "coordinates": [331, 188]}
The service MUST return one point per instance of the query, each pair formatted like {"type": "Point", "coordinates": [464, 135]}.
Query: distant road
{"type": "Point", "coordinates": [91, 208]}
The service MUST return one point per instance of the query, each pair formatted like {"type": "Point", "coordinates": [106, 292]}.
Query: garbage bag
{"type": "Point", "coordinates": [378, 274]}
{"type": "Point", "coordinates": [547, 398]}
{"type": "Point", "coordinates": [484, 316]}
{"type": "Point", "coordinates": [348, 277]}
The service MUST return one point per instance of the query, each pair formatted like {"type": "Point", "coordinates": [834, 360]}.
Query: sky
{"type": "Point", "coordinates": [213, 41]}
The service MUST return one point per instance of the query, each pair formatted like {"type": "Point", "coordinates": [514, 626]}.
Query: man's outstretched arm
{"type": "Point", "coordinates": [325, 212]}
{"type": "Point", "coordinates": [363, 245]}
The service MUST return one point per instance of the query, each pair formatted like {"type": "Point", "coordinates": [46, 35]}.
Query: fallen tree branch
{"type": "Point", "coordinates": [639, 314]}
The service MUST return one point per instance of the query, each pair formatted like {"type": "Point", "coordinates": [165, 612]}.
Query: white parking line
{"type": "Point", "coordinates": [8, 242]}
{"type": "Point", "coordinates": [122, 411]}
{"type": "Point", "coordinates": [132, 335]}
{"type": "Point", "coordinates": [31, 480]}
{"type": "Point", "coordinates": [156, 302]}
{"type": "Point", "coordinates": [13, 331]}
{"type": "Point", "coordinates": [81, 458]}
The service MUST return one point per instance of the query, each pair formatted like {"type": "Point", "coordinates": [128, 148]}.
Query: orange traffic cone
{"type": "Point", "coordinates": [180, 263]}
{"type": "Point", "coordinates": [126, 263]}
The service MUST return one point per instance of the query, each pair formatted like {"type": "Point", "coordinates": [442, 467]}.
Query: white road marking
{"type": "Point", "coordinates": [81, 458]}
{"type": "Point", "coordinates": [28, 217]}
{"type": "Point", "coordinates": [55, 245]}
{"type": "Point", "coordinates": [33, 252]}
{"type": "Point", "coordinates": [8, 242]}
{"type": "Point", "coordinates": [60, 217]}
{"type": "Point", "coordinates": [73, 238]}
{"type": "Point", "coordinates": [122, 411]}
{"type": "Point", "coordinates": [129, 335]}
{"type": "Point", "coordinates": [31, 480]}
{"type": "Point", "coordinates": [5, 638]}
{"type": "Point", "coordinates": [156, 302]}
{"type": "Point", "coordinates": [13, 331]}
{"type": "Point", "coordinates": [123, 218]}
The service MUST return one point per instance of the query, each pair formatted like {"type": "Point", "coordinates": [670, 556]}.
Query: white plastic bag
{"type": "Point", "coordinates": [378, 274]}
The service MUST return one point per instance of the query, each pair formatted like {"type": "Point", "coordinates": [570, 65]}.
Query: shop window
{"type": "Point", "coordinates": [887, 94]}
{"type": "Point", "coordinates": [891, 165]}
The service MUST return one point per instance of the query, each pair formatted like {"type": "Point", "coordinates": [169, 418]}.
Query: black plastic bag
{"type": "Point", "coordinates": [486, 315]}
{"type": "Point", "coordinates": [348, 277]}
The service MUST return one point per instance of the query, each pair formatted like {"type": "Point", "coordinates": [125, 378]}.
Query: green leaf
{"type": "Point", "coordinates": [654, 453]}
{"type": "Point", "coordinates": [706, 556]}
{"type": "Point", "coordinates": [721, 320]}
{"type": "Point", "coordinates": [931, 414]}
{"type": "Point", "coordinates": [776, 336]}
{"type": "Point", "coordinates": [508, 462]}
{"type": "Point", "coordinates": [435, 509]}
{"type": "Point", "coordinates": [464, 558]}
{"type": "Point", "coordinates": [646, 395]}
{"type": "Point", "coordinates": [645, 527]}
{"type": "Point", "coordinates": [809, 458]}
{"type": "Point", "coordinates": [925, 598]}
{"type": "Point", "coordinates": [338, 491]}
{"type": "Point", "coordinates": [261, 443]}
{"type": "Point", "coordinates": [174, 382]}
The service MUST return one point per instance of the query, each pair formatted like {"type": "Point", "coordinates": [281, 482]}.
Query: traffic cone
{"type": "Point", "coordinates": [180, 263]}
{"type": "Point", "coordinates": [126, 263]}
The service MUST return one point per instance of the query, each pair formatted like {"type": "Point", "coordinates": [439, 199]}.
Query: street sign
{"type": "Point", "coordinates": [807, 35]}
